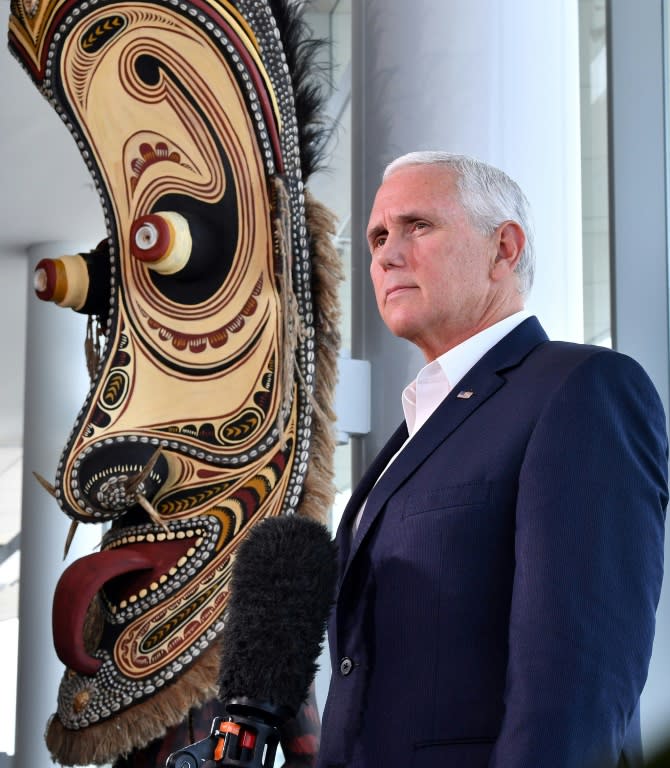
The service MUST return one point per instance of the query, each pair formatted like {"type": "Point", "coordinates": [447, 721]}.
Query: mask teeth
{"type": "Point", "coordinates": [157, 586]}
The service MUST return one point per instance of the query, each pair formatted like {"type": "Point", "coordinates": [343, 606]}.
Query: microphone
{"type": "Point", "coordinates": [281, 591]}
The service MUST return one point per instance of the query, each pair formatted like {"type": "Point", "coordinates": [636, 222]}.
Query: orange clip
{"type": "Point", "coordinates": [226, 727]}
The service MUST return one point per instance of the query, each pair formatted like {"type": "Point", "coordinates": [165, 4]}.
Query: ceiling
{"type": "Point", "coordinates": [46, 191]}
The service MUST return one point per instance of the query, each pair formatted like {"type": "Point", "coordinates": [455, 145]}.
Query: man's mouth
{"type": "Point", "coordinates": [397, 290]}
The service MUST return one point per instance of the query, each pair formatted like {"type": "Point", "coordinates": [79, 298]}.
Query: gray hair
{"type": "Point", "coordinates": [488, 196]}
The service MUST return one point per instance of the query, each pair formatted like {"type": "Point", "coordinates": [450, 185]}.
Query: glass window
{"type": "Point", "coordinates": [595, 194]}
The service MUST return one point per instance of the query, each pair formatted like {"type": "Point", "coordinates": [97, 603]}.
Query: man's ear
{"type": "Point", "coordinates": [510, 240]}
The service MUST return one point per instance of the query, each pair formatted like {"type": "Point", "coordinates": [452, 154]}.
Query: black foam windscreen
{"type": "Point", "coordinates": [282, 587]}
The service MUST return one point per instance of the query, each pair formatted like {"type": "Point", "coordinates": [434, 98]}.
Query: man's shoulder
{"type": "Point", "coordinates": [577, 353]}
{"type": "Point", "coordinates": [601, 366]}
{"type": "Point", "coordinates": [532, 334]}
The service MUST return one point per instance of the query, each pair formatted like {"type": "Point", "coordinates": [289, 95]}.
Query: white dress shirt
{"type": "Point", "coordinates": [436, 379]}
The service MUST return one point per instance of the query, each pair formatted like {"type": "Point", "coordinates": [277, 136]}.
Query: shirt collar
{"type": "Point", "coordinates": [457, 361]}
{"type": "Point", "coordinates": [436, 379]}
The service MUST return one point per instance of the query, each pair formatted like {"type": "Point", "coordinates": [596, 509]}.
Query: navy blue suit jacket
{"type": "Point", "coordinates": [497, 605]}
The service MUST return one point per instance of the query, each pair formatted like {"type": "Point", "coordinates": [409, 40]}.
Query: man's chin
{"type": "Point", "coordinates": [403, 328]}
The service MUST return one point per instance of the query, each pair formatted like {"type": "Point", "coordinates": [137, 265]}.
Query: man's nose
{"type": "Point", "coordinates": [392, 253]}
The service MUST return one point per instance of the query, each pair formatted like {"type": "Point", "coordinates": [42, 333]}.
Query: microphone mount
{"type": "Point", "coordinates": [246, 738]}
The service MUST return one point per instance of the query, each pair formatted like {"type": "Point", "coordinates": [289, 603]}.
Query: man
{"type": "Point", "coordinates": [501, 560]}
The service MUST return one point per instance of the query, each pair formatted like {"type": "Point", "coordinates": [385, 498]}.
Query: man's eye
{"type": "Point", "coordinates": [379, 241]}
{"type": "Point", "coordinates": [420, 225]}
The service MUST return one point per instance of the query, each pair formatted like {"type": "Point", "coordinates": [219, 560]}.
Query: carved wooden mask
{"type": "Point", "coordinates": [215, 289]}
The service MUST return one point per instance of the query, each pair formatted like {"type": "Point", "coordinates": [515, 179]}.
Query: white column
{"type": "Point", "coordinates": [499, 81]}
{"type": "Point", "coordinates": [55, 389]}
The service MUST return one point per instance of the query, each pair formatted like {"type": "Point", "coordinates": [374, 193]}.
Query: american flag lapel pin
{"type": "Point", "coordinates": [465, 394]}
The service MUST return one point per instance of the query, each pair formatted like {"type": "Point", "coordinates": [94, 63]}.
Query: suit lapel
{"type": "Point", "coordinates": [363, 489]}
{"type": "Point", "coordinates": [483, 380]}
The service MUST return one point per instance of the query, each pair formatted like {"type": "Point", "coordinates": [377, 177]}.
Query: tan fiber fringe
{"type": "Point", "coordinates": [141, 724]}
{"type": "Point", "coordinates": [327, 274]}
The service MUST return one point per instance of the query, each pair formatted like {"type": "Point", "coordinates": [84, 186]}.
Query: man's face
{"type": "Point", "coordinates": [431, 269]}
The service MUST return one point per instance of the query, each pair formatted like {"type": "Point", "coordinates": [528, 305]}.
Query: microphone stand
{"type": "Point", "coordinates": [247, 738]}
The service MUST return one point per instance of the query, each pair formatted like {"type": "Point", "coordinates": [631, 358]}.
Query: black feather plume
{"type": "Point", "coordinates": [309, 82]}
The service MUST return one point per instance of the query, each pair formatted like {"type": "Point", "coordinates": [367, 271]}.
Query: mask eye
{"type": "Point", "coordinates": [187, 246]}
{"type": "Point", "coordinates": [162, 241]}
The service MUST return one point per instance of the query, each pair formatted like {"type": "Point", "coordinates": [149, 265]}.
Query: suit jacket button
{"type": "Point", "coordinates": [346, 666]}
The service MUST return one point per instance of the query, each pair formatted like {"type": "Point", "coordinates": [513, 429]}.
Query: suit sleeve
{"type": "Point", "coordinates": [589, 562]}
